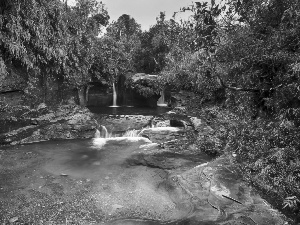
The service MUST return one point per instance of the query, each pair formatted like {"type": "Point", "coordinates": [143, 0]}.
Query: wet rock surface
{"type": "Point", "coordinates": [141, 183]}
{"type": "Point", "coordinates": [33, 125]}
{"type": "Point", "coordinates": [122, 123]}
{"type": "Point", "coordinates": [166, 180]}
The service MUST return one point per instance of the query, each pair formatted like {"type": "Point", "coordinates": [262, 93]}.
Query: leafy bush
{"type": "Point", "coordinates": [268, 153]}
{"type": "Point", "coordinates": [145, 87]}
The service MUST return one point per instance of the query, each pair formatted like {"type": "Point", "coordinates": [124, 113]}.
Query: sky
{"type": "Point", "coordinates": [144, 11]}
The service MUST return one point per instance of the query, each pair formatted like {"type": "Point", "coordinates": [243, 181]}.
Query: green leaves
{"type": "Point", "coordinates": [291, 202]}
{"type": "Point", "coordinates": [52, 37]}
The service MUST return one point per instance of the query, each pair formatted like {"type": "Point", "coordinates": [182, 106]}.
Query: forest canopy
{"type": "Point", "coordinates": [242, 57]}
{"type": "Point", "coordinates": [50, 39]}
{"type": "Point", "coordinates": [244, 51]}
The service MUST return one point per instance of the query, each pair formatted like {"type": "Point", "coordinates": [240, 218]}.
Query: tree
{"type": "Point", "coordinates": [157, 43]}
{"type": "Point", "coordinates": [116, 49]}
{"type": "Point", "coordinates": [125, 26]}
{"type": "Point", "coordinates": [50, 38]}
{"type": "Point", "coordinates": [248, 48]}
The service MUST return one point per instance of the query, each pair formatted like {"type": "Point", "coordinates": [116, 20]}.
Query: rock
{"type": "Point", "coordinates": [37, 132]}
{"type": "Point", "coordinates": [163, 134]}
{"type": "Point", "coordinates": [197, 123]}
{"type": "Point", "coordinates": [34, 122]}
{"type": "Point", "coordinates": [207, 130]}
{"type": "Point", "coordinates": [14, 219]}
{"type": "Point", "coordinates": [173, 102]}
{"type": "Point", "coordinates": [218, 185]}
{"type": "Point", "coordinates": [116, 206]}
{"type": "Point", "coordinates": [142, 90]}
{"type": "Point", "coordinates": [71, 101]}
{"type": "Point", "coordinates": [181, 110]}
{"type": "Point", "coordinates": [41, 106]}
{"type": "Point", "coordinates": [66, 122]}
{"type": "Point", "coordinates": [178, 123]}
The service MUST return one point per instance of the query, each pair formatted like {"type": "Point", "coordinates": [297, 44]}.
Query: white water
{"type": "Point", "coordinates": [174, 129]}
{"type": "Point", "coordinates": [114, 96]}
{"type": "Point", "coordinates": [104, 131]}
{"type": "Point", "coordinates": [97, 134]}
{"type": "Point", "coordinates": [161, 100]}
{"type": "Point", "coordinates": [101, 134]}
{"type": "Point", "coordinates": [131, 133]}
{"type": "Point", "coordinates": [98, 143]}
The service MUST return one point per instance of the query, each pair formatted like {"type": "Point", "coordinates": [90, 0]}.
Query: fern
{"type": "Point", "coordinates": [291, 202]}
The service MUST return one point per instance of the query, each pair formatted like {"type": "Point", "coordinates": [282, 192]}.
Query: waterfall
{"type": "Point", "coordinates": [101, 134]}
{"type": "Point", "coordinates": [131, 133]}
{"type": "Point", "coordinates": [97, 134]}
{"type": "Point", "coordinates": [104, 132]}
{"type": "Point", "coordinates": [114, 96]}
{"type": "Point", "coordinates": [161, 100]}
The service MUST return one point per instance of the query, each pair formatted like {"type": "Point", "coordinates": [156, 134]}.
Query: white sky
{"type": "Point", "coordinates": [144, 11]}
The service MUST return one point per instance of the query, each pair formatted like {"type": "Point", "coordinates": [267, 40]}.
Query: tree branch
{"type": "Point", "coordinates": [247, 89]}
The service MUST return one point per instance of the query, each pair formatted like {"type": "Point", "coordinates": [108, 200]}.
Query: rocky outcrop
{"type": "Point", "coordinates": [163, 134]}
{"type": "Point", "coordinates": [214, 191]}
{"type": "Point", "coordinates": [138, 89]}
{"type": "Point", "coordinates": [40, 124]}
{"type": "Point", "coordinates": [12, 85]}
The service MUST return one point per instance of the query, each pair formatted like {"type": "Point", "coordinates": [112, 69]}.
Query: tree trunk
{"type": "Point", "coordinates": [87, 94]}
{"type": "Point", "coordinates": [82, 96]}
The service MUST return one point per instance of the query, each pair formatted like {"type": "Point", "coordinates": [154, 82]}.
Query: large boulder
{"type": "Point", "coordinates": [213, 190]}
{"type": "Point", "coordinates": [138, 89]}
{"type": "Point", "coordinates": [65, 122]}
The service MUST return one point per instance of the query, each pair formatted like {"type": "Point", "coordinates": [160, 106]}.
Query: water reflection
{"type": "Point", "coordinates": [124, 110]}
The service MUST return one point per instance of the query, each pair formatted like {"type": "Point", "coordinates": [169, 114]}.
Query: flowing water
{"type": "Point", "coordinates": [161, 101]}
{"type": "Point", "coordinates": [92, 159]}
{"type": "Point", "coordinates": [108, 181]}
{"type": "Point", "coordinates": [125, 180]}
{"type": "Point", "coordinates": [118, 182]}
{"type": "Point", "coordinates": [114, 96]}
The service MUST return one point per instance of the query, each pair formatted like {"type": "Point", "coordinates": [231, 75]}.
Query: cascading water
{"type": "Point", "coordinates": [97, 134]}
{"type": "Point", "coordinates": [161, 100]}
{"type": "Point", "coordinates": [131, 133]}
{"type": "Point", "coordinates": [101, 134]}
{"type": "Point", "coordinates": [105, 132]}
{"type": "Point", "coordinates": [114, 96]}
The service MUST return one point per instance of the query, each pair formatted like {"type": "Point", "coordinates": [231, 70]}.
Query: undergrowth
{"type": "Point", "coordinates": [268, 153]}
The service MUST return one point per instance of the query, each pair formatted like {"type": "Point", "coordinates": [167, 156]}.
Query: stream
{"type": "Point", "coordinates": [125, 180]}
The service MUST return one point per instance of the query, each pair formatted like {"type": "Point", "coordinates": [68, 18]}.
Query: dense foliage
{"type": "Point", "coordinates": [117, 49]}
{"type": "Point", "coordinates": [242, 46]}
{"type": "Point", "coordinates": [50, 39]}
{"type": "Point", "coordinates": [243, 54]}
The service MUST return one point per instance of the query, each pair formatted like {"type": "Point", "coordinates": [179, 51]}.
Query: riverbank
{"type": "Point", "coordinates": [252, 146]}
{"type": "Point", "coordinates": [21, 124]}
{"type": "Point", "coordinates": [266, 151]}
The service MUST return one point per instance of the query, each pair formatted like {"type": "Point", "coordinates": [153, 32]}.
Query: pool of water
{"type": "Point", "coordinates": [118, 181]}
{"type": "Point", "coordinates": [127, 110]}
{"type": "Point", "coordinates": [92, 159]}
{"type": "Point", "coordinates": [118, 185]}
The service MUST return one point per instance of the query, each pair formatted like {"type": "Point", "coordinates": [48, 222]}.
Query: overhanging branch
{"type": "Point", "coordinates": [246, 89]}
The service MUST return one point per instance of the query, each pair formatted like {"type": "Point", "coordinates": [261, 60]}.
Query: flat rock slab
{"type": "Point", "coordinates": [122, 123]}
{"type": "Point", "coordinates": [164, 134]}
{"type": "Point", "coordinates": [90, 182]}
